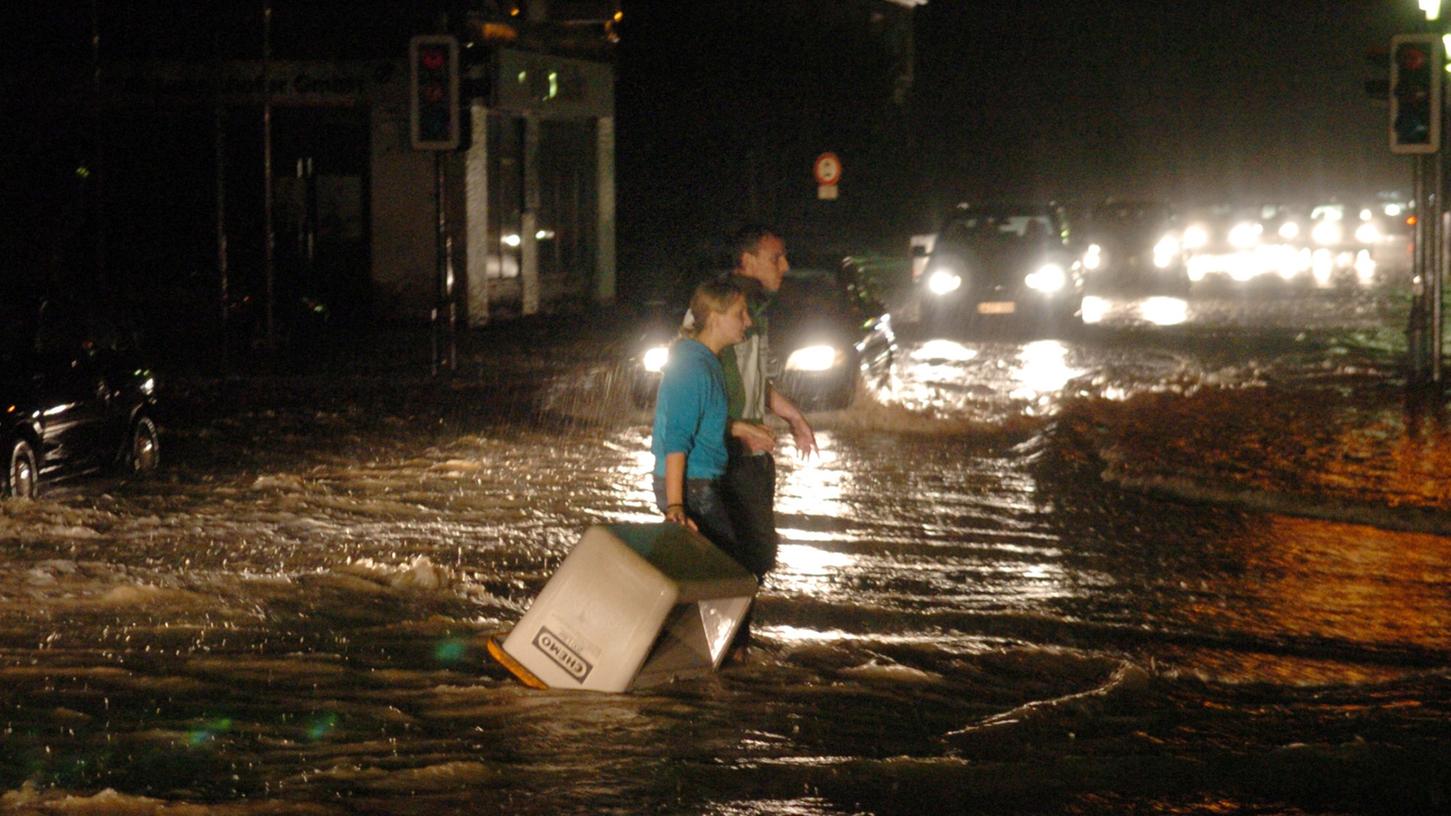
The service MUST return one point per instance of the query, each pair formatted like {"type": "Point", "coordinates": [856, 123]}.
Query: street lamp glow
{"type": "Point", "coordinates": [1432, 8]}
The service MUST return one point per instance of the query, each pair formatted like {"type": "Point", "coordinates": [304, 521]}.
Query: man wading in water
{"type": "Point", "coordinates": [749, 486]}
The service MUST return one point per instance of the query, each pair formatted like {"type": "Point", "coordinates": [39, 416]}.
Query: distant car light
{"type": "Point", "coordinates": [654, 359]}
{"type": "Point", "coordinates": [1093, 257]}
{"type": "Point", "coordinates": [815, 358]}
{"type": "Point", "coordinates": [1166, 251]}
{"type": "Point", "coordinates": [1367, 232]}
{"type": "Point", "coordinates": [1289, 231]}
{"type": "Point", "coordinates": [1364, 268]}
{"type": "Point", "coordinates": [1326, 233]}
{"type": "Point", "coordinates": [1047, 278]}
{"type": "Point", "coordinates": [1196, 236]}
{"type": "Point", "coordinates": [942, 282]}
{"type": "Point", "coordinates": [1245, 235]}
{"type": "Point", "coordinates": [1322, 266]}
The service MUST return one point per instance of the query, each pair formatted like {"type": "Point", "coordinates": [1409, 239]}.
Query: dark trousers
{"type": "Point", "coordinates": [704, 505]}
{"type": "Point", "coordinates": [750, 495]}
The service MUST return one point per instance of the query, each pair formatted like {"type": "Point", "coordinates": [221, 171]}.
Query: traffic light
{"type": "Point", "coordinates": [433, 89]}
{"type": "Point", "coordinates": [1417, 67]}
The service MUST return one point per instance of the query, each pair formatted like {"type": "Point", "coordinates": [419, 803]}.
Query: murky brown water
{"type": "Point", "coordinates": [966, 618]}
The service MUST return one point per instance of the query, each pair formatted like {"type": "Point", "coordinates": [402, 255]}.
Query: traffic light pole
{"type": "Point", "coordinates": [433, 114]}
{"type": "Point", "coordinates": [1438, 260]}
{"type": "Point", "coordinates": [1417, 124]}
{"type": "Point", "coordinates": [444, 310]}
{"type": "Point", "coordinates": [1424, 326]}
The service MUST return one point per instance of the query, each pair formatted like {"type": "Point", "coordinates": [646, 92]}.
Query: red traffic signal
{"type": "Point", "coordinates": [1418, 65]}
{"type": "Point", "coordinates": [433, 92]}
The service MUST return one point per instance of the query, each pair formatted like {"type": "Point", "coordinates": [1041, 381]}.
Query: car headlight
{"type": "Point", "coordinates": [1367, 233]}
{"type": "Point", "coordinates": [1289, 231]}
{"type": "Point", "coordinates": [654, 359]}
{"type": "Point", "coordinates": [1245, 235]}
{"type": "Point", "coordinates": [1093, 257]}
{"type": "Point", "coordinates": [1049, 277]}
{"type": "Point", "coordinates": [941, 282]}
{"type": "Point", "coordinates": [815, 358]}
{"type": "Point", "coordinates": [1326, 233]}
{"type": "Point", "coordinates": [1196, 236]}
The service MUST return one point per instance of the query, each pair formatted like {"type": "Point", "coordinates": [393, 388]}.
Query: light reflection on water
{"type": "Point", "coordinates": [1041, 372]}
{"type": "Point", "coordinates": [991, 381]}
{"type": "Point", "coordinates": [1158, 310]}
{"type": "Point", "coordinates": [1165, 311]}
{"type": "Point", "coordinates": [814, 485]}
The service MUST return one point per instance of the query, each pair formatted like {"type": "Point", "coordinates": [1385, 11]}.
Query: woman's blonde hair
{"type": "Point", "coordinates": [716, 296]}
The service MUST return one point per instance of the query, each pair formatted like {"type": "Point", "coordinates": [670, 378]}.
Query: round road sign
{"type": "Point", "coordinates": [827, 169]}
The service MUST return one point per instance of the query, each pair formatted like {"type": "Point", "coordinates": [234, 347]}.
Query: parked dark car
{"type": "Point", "coordinates": [75, 397]}
{"type": "Point", "coordinates": [820, 338]}
{"type": "Point", "coordinates": [1002, 261]}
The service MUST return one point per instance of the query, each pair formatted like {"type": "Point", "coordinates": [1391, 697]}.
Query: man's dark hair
{"type": "Point", "coordinates": [747, 238]}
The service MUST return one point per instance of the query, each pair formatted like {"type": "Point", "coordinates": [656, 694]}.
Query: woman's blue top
{"type": "Point", "coordinates": [690, 411]}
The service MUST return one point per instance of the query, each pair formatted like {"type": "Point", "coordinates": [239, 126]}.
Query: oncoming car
{"type": "Point", "coordinates": [1002, 261]}
{"type": "Point", "coordinates": [820, 338]}
{"type": "Point", "coordinates": [74, 397]}
{"type": "Point", "coordinates": [1324, 245]}
{"type": "Point", "coordinates": [1135, 244]}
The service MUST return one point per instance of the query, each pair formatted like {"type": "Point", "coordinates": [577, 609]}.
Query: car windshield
{"type": "Point", "coordinates": [1129, 217]}
{"type": "Point", "coordinates": [998, 226]}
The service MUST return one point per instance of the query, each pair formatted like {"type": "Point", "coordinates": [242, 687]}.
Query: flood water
{"type": "Point", "coordinates": [968, 616]}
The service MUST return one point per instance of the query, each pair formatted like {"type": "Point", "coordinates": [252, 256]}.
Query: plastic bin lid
{"type": "Point", "coordinates": [698, 567]}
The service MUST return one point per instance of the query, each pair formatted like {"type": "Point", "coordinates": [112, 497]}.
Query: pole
{"type": "Point", "coordinates": [433, 342]}
{"type": "Point", "coordinates": [444, 311]}
{"type": "Point", "coordinates": [98, 171]}
{"type": "Point", "coordinates": [268, 242]}
{"type": "Point", "coordinates": [219, 145]}
{"type": "Point", "coordinates": [1416, 325]}
{"type": "Point", "coordinates": [1438, 261]}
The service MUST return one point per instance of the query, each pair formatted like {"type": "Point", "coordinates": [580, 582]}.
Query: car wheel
{"type": "Point", "coordinates": [143, 447]}
{"type": "Point", "coordinates": [21, 479]}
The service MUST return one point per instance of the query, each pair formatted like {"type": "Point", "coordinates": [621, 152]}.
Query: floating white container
{"type": "Point", "coordinates": [632, 605]}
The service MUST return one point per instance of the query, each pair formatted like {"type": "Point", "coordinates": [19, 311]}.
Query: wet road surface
{"type": "Point", "coordinates": [975, 609]}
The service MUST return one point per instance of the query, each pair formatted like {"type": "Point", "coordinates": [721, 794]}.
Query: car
{"type": "Point", "coordinates": [75, 397]}
{"type": "Point", "coordinates": [1343, 241]}
{"type": "Point", "coordinates": [1243, 244]}
{"type": "Point", "coordinates": [1002, 261]}
{"type": "Point", "coordinates": [1324, 245]}
{"type": "Point", "coordinates": [820, 338]}
{"type": "Point", "coordinates": [1134, 244]}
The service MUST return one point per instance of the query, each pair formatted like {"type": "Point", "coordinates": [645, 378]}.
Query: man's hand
{"type": "Point", "coordinates": [801, 432]}
{"type": "Point", "coordinates": [804, 437]}
{"type": "Point", "coordinates": [754, 437]}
